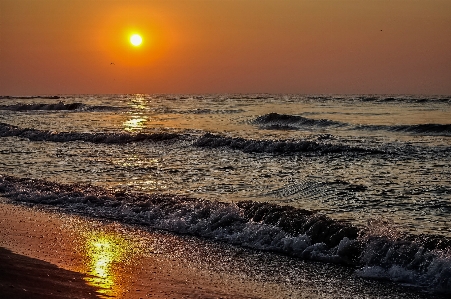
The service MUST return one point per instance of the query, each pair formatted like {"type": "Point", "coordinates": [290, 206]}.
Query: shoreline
{"type": "Point", "coordinates": [110, 260]}
{"type": "Point", "coordinates": [123, 261]}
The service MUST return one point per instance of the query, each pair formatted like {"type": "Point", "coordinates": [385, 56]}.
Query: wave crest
{"type": "Point", "coordinates": [277, 121]}
{"type": "Point", "coordinates": [278, 146]}
{"type": "Point", "coordinates": [263, 226]}
{"type": "Point", "coordinates": [108, 138]}
{"type": "Point", "coordinates": [438, 129]}
{"type": "Point", "coordinates": [55, 107]}
{"type": "Point", "coordinates": [281, 121]}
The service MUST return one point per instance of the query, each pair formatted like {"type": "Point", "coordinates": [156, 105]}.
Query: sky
{"type": "Point", "coordinates": [225, 46]}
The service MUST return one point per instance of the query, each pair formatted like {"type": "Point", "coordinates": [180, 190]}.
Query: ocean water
{"type": "Point", "coordinates": [362, 181]}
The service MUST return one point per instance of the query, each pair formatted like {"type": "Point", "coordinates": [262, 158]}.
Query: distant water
{"type": "Point", "coordinates": [363, 181]}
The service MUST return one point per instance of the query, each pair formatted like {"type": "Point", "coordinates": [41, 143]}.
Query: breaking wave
{"type": "Point", "coordinates": [167, 110]}
{"type": "Point", "coordinates": [279, 146]}
{"type": "Point", "coordinates": [55, 107]}
{"type": "Point", "coordinates": [284, 121]}
{"type": "Point", "coordinates": [401, 99]}
{"type": "Point", "coordinates": [207, 140]}
{"type": "Point", "coordinates": [386, 98]}
{"type": "Point", "coordinates": [277, 121]}
{"type": "Point", "coordinates": [425, 129]}
{"type": "Point", "coordinates": [30, 97]}
{"type": "Point", "coordinates": [422, 261]}
{"type": "Point", "coordinates": [108, 138]}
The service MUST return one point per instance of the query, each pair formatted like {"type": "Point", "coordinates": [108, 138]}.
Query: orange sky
{"type": "Point", "coordinates": [225, 46]}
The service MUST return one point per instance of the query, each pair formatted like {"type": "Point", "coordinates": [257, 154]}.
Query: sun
{"type": "Point", "coordinates": [136, 40]}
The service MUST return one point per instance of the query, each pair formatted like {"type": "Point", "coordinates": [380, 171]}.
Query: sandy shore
{"type": "Point", "coordinates": [50, 255]}
{"type": "Point", "coordinates": [24, 277]}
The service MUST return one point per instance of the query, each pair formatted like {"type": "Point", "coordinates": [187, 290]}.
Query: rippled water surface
{"type": "Point", "coordinates": [357, 180]}
{"type": "Point", "coordinates": [408, 183]}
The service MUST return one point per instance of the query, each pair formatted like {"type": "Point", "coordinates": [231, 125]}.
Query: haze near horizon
{"type": "Point", "coordinates": [225, 46]}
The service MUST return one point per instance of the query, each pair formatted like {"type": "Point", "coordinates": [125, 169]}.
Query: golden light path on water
{"type": "Point", "coordinates": [135, 124]}
{"type": "Point", "coordinates": [137, 120]}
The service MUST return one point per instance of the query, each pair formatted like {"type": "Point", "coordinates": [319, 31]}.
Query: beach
{"type": "Point", "coordinates": [229, 196]}
{"type": "Point", "coordinates": [225, 149]}
{"type": "Point", "coordinates": [49, 255]}
{"type": "Point", "coordinates": [50, 260]}
{"type": "Point", "coordinates": [24, 277]}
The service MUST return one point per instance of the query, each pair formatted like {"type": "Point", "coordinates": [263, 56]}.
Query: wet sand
{"type": "Point", "coordinates": [24, 277]}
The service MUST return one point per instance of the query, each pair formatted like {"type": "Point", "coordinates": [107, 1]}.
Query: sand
{"type": "Point", "coordinates": [24, 277]}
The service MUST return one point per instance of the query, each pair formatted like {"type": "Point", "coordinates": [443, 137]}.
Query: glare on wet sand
{"type": "Point", "coordinates": [103, 253]}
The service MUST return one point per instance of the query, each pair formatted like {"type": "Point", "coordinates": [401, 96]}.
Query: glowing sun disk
{"type": "Point", "coordinates": [136, 40]}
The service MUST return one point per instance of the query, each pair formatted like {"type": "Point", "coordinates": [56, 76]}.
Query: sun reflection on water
{"type": "Point", "coordinates": [135, 124]}
{"type": "Point", "coordinates": [138, 102]}
{"type": "Point", "coordinates": [137, 120]}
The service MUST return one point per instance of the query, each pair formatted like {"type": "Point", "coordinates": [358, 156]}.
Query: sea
{"type": "Point", "coordinates": [354, 184]}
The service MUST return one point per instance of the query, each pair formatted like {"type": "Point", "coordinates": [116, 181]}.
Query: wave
{"type": "Point", "coordinates": [423, 261]}
{"type": "Point", "coordinates": [290, 98]}
{"type": "Point", "coordinates": [166, 110]}
{"type": "Point", "coordinates": [30, 97]}
{"type": "Point", "coordinates": [277, 121]}
{"type": "Point", "coordinates": [404, 99]}
{"type": "Point", "coordinates": [55, 107]}
{"type": "Point", "coordinates": [413, 99]}
{"type": "Point", "coordinates": [211, 111]}
{"type": "Point", "coordinates": [324, 98]}
{"type": "Point", "coordinates": [207, 140]}
{"type": "Point", "coordinates": [284, 121]}
{"type": "Point", "coordinates": [278, 146]}
{"type": "Point", "coordinates": [108, 138]}
{"type": "Point", "coordinates": [426, 129]}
